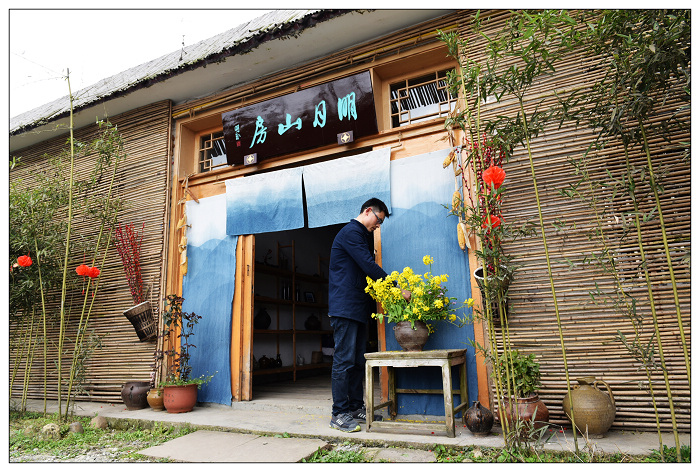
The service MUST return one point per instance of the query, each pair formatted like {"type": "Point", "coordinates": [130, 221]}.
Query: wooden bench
{"type": "Point", "coordinates": [443, 358]}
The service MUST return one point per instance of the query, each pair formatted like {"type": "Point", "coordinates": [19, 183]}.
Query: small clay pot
{"type": "Point", "coordinates": [155, 399]}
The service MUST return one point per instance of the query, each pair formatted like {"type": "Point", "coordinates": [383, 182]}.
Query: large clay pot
{"type": "Point", "coordinates": [594, 411]}
{"type": "Point", "coordinates": [134, 395]}
{"type": "Point", "coordinates": [530, 409]}
{"type": "Point", "coordinates": [180, 398]}
{"type": "Point", "coordinates": [411, 339]}
{"type": "Point", "coordinates": [155, 399]}
{"type": "Point", "coordinates": [478, 419]}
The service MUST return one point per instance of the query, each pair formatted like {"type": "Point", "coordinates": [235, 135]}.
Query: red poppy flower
{"type": "Point", "coordinates": [494, 176]}
{"type": "Point", "coordinates": [93, 272]}
{"type": "Point", "coordinates": [82, 270]}
{"type": "Point", "coordinates": [24, 261]}
{"type": "Point", "coordinates": [494, 222]}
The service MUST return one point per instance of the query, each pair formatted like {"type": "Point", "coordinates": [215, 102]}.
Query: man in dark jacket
{"type": "Point", "coordinates": [349, 307]}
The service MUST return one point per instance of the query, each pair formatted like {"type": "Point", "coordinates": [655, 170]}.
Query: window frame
{"type": "Point", "coordinates": [444, 107]}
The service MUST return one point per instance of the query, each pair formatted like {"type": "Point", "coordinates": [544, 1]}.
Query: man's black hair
{"type": "Point", "coordinates": [377, 205]}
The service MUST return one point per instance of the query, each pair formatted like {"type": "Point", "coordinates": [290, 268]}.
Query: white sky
{"type": "Point", "coordinates": [96, 43]}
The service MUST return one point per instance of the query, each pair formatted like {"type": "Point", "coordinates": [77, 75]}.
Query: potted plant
{"type": "Point", "coordinates": [519, 374]}
{"type": "Point", "coordinates": [179, 387]}
{"type": "Point", "coordinates": [128, 243]}
{"type": "Point", "coordinates": [428, 302]}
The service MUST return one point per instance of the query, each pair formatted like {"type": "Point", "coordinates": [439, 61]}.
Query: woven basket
{"type": "Point", "coordinates": [141, 317]}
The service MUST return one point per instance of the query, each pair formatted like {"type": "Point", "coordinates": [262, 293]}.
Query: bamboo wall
{"type": "Point", "coordinates": [589, 326]}
{"type": "Point", "coordinates": [142, 182]}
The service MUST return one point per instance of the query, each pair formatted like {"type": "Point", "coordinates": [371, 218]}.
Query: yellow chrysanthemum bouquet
{"type": "Point", "coordinates": [428, 302]}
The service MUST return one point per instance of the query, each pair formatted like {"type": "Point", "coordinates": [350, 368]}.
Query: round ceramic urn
{"type": "Point", "coordinates": [594, 410]}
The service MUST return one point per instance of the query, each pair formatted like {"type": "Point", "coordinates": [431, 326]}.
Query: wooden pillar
{"type": "Point", "coordinates": [242, 321]}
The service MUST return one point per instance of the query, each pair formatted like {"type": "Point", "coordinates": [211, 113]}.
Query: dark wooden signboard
{"type": "Point", "coordinates": [302, 120]}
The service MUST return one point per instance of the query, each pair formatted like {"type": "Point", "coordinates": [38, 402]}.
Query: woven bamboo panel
{"type": "Point", "coordinates": [142, 185]}
{"type": "Point", "coordinates": [590, 328]}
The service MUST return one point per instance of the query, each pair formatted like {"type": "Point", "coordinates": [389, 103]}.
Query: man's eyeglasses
{"type": "Point", "coordinates": [379, 220]}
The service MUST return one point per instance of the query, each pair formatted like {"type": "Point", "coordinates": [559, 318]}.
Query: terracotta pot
{"type": "Point", "coordinates": [134, 395]}
{"type": "Point", "coordinates": [411, 339]}
{"type": "Point", "coordinates": [594, 411]}
{"type": "Point", "coordinates": [478, 419]}
{"type": "Point", "coordinates": [180, 398]}
{"type": "Point", "coordinates": [528, 410]}
{"type": "Point", "coordinates": [155, 399]}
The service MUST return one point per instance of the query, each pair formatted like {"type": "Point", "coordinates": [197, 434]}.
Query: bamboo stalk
{"type": "Point", "coordinates": [656, 325]}
{"type": "Point", "coordinates": [61, 333]}
{"type": "Point", "coordinates": [551, 278]}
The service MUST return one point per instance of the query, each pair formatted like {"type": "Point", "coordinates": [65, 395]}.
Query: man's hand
{"type": "Point", "coordinates": [406, 295]}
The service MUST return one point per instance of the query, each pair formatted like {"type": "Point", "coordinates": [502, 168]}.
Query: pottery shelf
{"type": "Point", "coordinates": [289, 368]}
{"type": "Point", "coordinates": [292, 331]}
{"type": "Point", "coordinates": [290, 297]}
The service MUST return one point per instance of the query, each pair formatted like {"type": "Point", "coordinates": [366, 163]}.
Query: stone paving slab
{"type": "Point", "coordinates": [218, 446]}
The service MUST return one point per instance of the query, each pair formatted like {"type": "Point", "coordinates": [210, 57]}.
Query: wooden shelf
{"type": "Point", "coordinates": [273, 301]}
{"type": "Point", "coordinates": [293, 331]}
{"type": "Point", "coordinates": [282, 301]}
{"type": "Point", "coordinates": [286, 312]}
{"type": "Point", "coordinates": [289, 368]}
{"type": "Point", "coordinates": [273, 331]}
{"type": "Point", "coordinates": [314, 331]}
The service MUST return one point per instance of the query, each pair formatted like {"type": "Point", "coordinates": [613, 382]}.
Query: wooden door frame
{"type": "Point", "coordinates": [381, 327]}
{"type": "Point", "coordinates": [242, 321]}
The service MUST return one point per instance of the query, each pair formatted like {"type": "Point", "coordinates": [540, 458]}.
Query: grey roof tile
{"type": "Point", "coordinates": [163, 65]}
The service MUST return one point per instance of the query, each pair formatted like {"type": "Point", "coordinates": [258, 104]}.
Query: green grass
{"type": "Point", "coordinates": [333, 455]}
{"type": "Point", "coordinates": [448, 454]}
{"type": "Point", "coordinates": [122, 445]}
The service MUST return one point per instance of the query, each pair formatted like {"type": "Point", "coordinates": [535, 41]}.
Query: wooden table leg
{"type": "Point", "coordinates": [463, 389]}
{"type": "Point", "coordinates": [449, 403]}
{"type": "Point", "coordinates": [393, 403]}
{"type": "Point", "coordinates": [369, 394]}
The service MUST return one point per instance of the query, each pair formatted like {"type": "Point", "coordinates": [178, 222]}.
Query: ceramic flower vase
{"type": "Point", "coordinates": [411, 339]}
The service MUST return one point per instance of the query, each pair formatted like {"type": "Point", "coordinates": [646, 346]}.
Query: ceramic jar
{"type": "Point", "coordinates": [478, 419]}
{"type": "Point", "coordinates": [594, 410]}
{"type": "Point", "coordinates": [155, 399]}
{"type": "Point", "coordinates": [134, 395]}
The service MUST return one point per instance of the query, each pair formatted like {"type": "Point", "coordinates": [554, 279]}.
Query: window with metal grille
{"type": "Point", "coordinates": [212, 151]}
{"type": "Point", "coordinates": [420, 98]}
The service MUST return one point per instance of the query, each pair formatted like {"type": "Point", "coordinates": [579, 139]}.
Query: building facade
{"type": "Point", "coordinates": [245, 162]}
